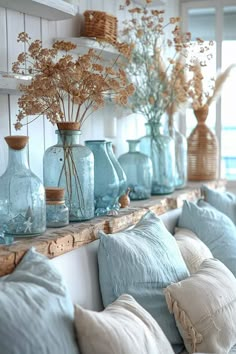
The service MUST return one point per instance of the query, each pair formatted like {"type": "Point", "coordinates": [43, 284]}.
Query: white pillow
{"type": "Point", "coordinates": [204, 306]}
{"type": "Point", "coordinates": [124, 327]}
{"type": "Point", "coordinates": [193, 250]}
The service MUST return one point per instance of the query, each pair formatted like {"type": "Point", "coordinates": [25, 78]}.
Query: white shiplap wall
{"type": "Point", "coordinates": [41, 133]}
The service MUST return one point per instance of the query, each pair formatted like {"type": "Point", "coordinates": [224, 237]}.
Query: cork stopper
{"type": "Point", "coordinates": [55, 194]}
{"type": "Point", "coordinates": [17, 142]}
{"type": "Point", "coordinates": [68, 125]}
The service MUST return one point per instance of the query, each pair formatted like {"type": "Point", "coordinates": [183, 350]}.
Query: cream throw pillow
{"type": "Point", "coordinates": [204, 306]}
{"type": "Point", "coordinates": [193, 250]}
{"type": "Point", "coordinates": [124, 327]}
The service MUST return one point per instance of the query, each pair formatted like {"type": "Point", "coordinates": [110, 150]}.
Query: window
{"type": "Point", "coordinates": [216, 20]}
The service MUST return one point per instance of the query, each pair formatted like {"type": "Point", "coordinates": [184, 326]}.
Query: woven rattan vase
{"type": "Point", "coordinates": [202, 150]}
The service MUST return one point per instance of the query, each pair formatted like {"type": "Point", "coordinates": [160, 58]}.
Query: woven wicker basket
{"type": "Point", "coordinates": [100, 25]}
{"type": "Point", "coordinates": [202, 150]}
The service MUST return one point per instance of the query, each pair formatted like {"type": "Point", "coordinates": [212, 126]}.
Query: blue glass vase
{"type": "Point", "coordinates": [161, 149]}
{"type": "Point", "coordinates": [138, 169]}
{"type": "Point", "coordinates": [106, 182]}
{"type": "Point", "coordinates": [22, 195]}
{"type": "Point", "coordinates": [119, 170]}
{"type": "Point", "coordinates": [71, 166]}
{"type": "Point", "coordinates": [181, 156]}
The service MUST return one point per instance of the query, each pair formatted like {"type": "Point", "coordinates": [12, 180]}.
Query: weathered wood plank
{"type": "Point", "coordinates": [55, 242]}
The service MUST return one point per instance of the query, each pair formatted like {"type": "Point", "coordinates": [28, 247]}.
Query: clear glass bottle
{"type": "Point", "coordinates": [181, 157]}
{"type": "Point", "coordinates": [22, 195]}
{"type": "Point", "coordinates": [138, 169]}
{"type": "Point", "coordinates": [161, 149]}
{"type": "Point", "coordinates": [71, 166]}
{"type": "Point", "coordinates": [119, 170]}
{"type": "Point", "coordinates": [57, 213]}
{"type": "Point", "coordinates": [106, 182]}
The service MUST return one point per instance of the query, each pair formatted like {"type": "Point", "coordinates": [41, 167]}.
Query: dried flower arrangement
{"type": "Point", "coordinates": [159, 66]}
{"type": "Point", "coordinates": [204, 91]}
{"type": "Point", "coordinates": [65, 87]}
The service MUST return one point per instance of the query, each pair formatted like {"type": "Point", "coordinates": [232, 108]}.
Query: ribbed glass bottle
{"type": "Point", "coordinates": [106, 182]}
{"type": "Point", "coordinates": [138, 169]}
{"type": "Point", "coordinates": [71, 166]}
{"type": "Point", "coordinates": [22, 195]}
{"type": "Point", "coordinates": [161, 149]}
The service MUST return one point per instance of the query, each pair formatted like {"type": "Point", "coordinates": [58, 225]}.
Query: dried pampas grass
{"type": "Point", "coordinates": [219, 83]}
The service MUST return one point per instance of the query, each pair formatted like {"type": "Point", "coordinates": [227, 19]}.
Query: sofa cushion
{"type": "Point", "coordinates": [36, 315]}
{"type": "Point", "coordinates": [193, 250]}
{"type": "Point", "coordinates": [222, 201]}
{"type": "Point", "coordinates": [141, 262]}
{"type": "Point", "coordinates": [204, 306]}
{"type": "Point", "coordinates": [123, 327]}
{"type": "Point", "coordinates": [214, 228]}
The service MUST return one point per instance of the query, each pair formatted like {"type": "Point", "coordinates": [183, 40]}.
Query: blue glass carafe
{"type": "Point", "coordinates": [138, 169]}
{"type": "Point", "coordinates": [106, 182]}
{"type": "Point", "coordinates": [22, 195]}
{"type": "Point", "coordinates": [70, 165]}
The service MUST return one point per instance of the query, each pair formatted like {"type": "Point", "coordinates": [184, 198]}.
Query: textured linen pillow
{"type": "Point", "coordinates": [222, 201]}
{"type": "Point", "coordinates": [193, 250]}
{"type": "Point", "coordinates": [214, 228]}
{"type": "Point", "coordinates": [141, 262]}
{"type": "Point", "coordinates": [204, 306]}
{"type": "Point", "coordinates": [124, 327]}
{"type": "Point", "coordinates": [36, 315]}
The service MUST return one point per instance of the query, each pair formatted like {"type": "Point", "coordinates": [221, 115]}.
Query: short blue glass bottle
{"type": "Point", "coordinates": [120, 173]}
{"type": "Point", "coordinates": [57, 213]}
{"type": "Point", "coordinates": [138, 169]}
{"type": "Point", "coordinates": [106, 182]}
{"type": "Point", "coordinates": [22, 195]}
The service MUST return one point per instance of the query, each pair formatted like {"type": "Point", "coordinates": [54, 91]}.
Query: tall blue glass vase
{"type": "Point", "coordinates": [161, 149]}
{"type": "Point", "coordinates": [106, 182]}
{"type": "Point", "coordinates": [138, 169]}
{"type": "Point", "coordinates": [119, 170]}
{"type": "Point", "coordinates": [22, 195]}
{"type": "Point", "coordinates": [181, 156]}
{"type": "Point", "coordinates": [71, 166]}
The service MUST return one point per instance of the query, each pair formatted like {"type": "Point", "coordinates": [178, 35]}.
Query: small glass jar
{"type": "Point", "coordinates": [57, 213]}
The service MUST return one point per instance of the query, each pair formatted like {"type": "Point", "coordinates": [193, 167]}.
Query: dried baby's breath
{"type": "Point", "coordinates": [67, 87]}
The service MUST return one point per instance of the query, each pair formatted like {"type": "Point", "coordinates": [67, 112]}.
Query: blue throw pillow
{"type": "Point", "coordinates": [214, 228]}
{"type": "Point", "coordinates": [141, 262]}
{"type": "Point", "coordinates": [222, 201]}
{"type": "Point", "coordinates": [36, 313]}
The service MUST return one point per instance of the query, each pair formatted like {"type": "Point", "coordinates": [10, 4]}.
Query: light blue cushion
{"type": "Point", "coordinates": [141, 262]}
{"type": "Point", "coordinates": [222, 201]}
{"type": "Point", "coordinates": [214, 228]}
{"type": "Point", "coordinates": [36, 313]}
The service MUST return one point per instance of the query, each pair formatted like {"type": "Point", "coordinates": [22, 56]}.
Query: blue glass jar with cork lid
{"type": "Point", "coordinates": [57, 213]}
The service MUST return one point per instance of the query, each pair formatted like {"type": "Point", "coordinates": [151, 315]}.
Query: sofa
{"type": "Point", "coordinates": [82, 270]}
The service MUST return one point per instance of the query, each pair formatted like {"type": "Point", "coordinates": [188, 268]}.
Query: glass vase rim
{"type": "Point", "coordinates": [96, 141]}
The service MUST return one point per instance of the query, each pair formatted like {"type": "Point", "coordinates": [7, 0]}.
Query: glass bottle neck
{"type": "Point", "coordinates": [18, 159]}
{"type": "Point", "coordinates": [68, 137]}
{"type": "Point", "coordinates": [133, 144]}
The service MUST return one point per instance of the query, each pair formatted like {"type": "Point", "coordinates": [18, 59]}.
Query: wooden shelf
{"type": "Point", "coordinates": [10, 85]}
{"type": "Point", "coordinates": [48, 9]}
{"type": "Point", "coordinates": [108, 52]}
{"type": "Point", "coordinates": [55, 242]}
